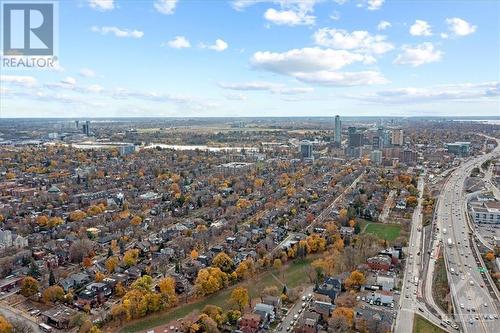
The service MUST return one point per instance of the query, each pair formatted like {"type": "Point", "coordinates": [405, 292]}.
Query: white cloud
{"type": "Point", "coordinates": [87, 72]}
{"type": "Point", "coordinates": [102, 5]}
{"type": "Point", "coordinates": [418, 55]}
{"type": "Point", "coordinates": [295, 90]}
{"type": "Point", "coordinates": [179, 42]}
{"type": "Point", "coordinates": [331, 78]}
{"type": "Point", "coordinates": [460, 27]}
{"type": "Point", "coordinates": [69, 81]}
{"type": "Point", "coordinates": [166, 7]}
{"type": "Point", "coordinates": [357, 40]}
{"type": "Point", "coordinates": [235, 97]}
{"type": "Point", "coordinates": [456, 92]}
{"type": "Point", "coordinates": [444, 35]}
{"type": "Point", "coordinates": [118, 32]}
{"type": "Point", "coordinates": [288, 17]}
{"type": "Point", "coordinates": [382, 25]}
{"type": "Point", "coordinates": [304, 60]}
{"type": "Point", "coordinates": [95, 88]}
{"type": "Point", "coordinates": [274, 88]}
{"type": "Point", "coordinates": [291, 12]}
{"type": "Point", "coordinates": [20, 80]}
{"type": "Point", "coordinates": [420, 28]}
{"type": "Point", "coordinates": [247, 86]}
{"type": "Point", "coordinates": [335, 15]}
{"type": "Point", "coordinates": [374, 4]}
{"type": "Point", "coordinates": [316, 65]}
{"type": "Point", "coordinates": [218, 46]}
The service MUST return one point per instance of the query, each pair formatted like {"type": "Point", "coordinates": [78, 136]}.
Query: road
{"type": "Point", "coordinates": [295, 312]}
{"type": "Point", "coordinates": [328, 210]}
{"type": "Point", "coordinates": [474, 300]}
{"type": "Point", "coordinates": [387, 207]}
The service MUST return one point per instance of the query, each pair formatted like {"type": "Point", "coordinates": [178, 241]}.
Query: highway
{"type": "Point", "coordinates": [411, 291]}
{"type": "Point", "coordinates": [474, 300]}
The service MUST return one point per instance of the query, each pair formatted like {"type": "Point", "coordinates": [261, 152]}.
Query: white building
{"type": "Point", "coordinates": [376, 156]}
{"type": "Point", "coordinates": [5, 238]}
{"type": "Point", "coordinates": [487, 212]}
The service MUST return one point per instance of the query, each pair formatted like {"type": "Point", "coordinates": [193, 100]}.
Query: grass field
{"type": "Point", "coordinates": [422, 325]}
{"type": "Point", "coordinates": [388, 232]}
{"type": "Point", "coordinates": [293, 273]}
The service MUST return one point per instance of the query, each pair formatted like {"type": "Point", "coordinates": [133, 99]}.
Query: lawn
{"type": "Point", "coordinates": [388, 232]}
{"type": "Point", "coordinates": [422, 325]}
{"type": "Point", "coordinates": [294, 275]}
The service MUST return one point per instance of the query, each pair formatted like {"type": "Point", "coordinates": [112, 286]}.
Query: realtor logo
{"type": "Point", "coordinates": [29, 36]}
{"type": "Point", "coordinates": [28, 29]}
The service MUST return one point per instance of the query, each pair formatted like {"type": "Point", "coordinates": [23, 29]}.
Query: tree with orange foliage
{"type": "Point", "coordinates": [42, 220]}
{"type": "Point", "coordinates": [194, 254]}
{"type": "Point", "coordinates": [490, 256]}
{"type": "Point", "coordinates": [355, 280]}
{"type": "Point", "coordinates": [342, 319]}
{"type": "Point", "coordinates": [136, 220]}
{"type": "Point", "coordinates": [87, 262]}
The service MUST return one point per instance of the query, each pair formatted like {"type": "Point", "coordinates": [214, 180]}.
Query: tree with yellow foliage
{"type": "Point", "coordinates": [223, 261]}
{"type": "Point", "coordinates": [210, 280]}
{"type": "Point", "coordinates": [130, 257]}
{"type": "Point", "coordinates": [5, 325]}
{"type": "Point", "coordinates": [239, 296]}
{"type": "Point", "coordinates": [52, 294]}
{"type": "Point", "coordinates": [339, 245]}
{"type": "Point", "coordinates": [55, 221]}
{"type": "Point", "coordinates": [111, 264]}
{"type": "Point", "coordinates": [355, 280]}
{"type": "Point", "coordinates": [77, 215]}
{"type": "Point", "coordinates": [29, 286]}
{"type": "Point", "coordinates": [277, 264]}
{"type": "Point", "coordinates": [94, 210]}
{"type": "Point", "coordinates": [99, 277]}
{"type": "Point", "coordinates": [167, 289]}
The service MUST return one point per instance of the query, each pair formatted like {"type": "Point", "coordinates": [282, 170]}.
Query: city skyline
{"type": "Point", "coordinates": [265, 58]}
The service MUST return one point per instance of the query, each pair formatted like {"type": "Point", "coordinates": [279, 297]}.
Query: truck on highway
{"type": "Point", "coordinates": [416, 281]}
{"type": "Point", "coordinates": [450, 242]}
{"type": "Point", "coordinates": [444, 231]}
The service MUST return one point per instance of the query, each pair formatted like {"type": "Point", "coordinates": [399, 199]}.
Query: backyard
{"type": "Point", "coordinates": [388, 232]}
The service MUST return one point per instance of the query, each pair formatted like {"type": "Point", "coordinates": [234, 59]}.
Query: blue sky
{"type": "Point", "coordinates": [266, 58]}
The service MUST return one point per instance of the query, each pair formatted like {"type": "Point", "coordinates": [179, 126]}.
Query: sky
{"type": "Point", "coordinates": [244, 58]}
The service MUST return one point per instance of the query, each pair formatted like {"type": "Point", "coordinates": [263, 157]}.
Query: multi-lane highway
{"type": "Point", "coordinates": [474, 300]}
{"type": "Point", "coordinates": [412, 292]}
